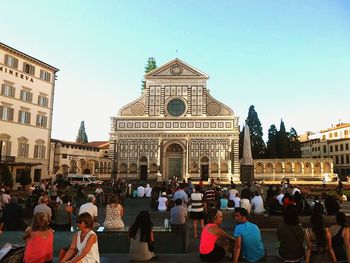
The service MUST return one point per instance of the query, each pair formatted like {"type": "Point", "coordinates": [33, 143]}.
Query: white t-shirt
{"type": "Point", "coordinates": [237, 201]}
{"type": "Point", "coordinates": [6, 199]}
{"type": "Point", "coordinates": [89, 208]}
{"type": "Point", "coordinates": [162, 203]}
{"type": "Point", "coordinates": [245, 203]}
{"type": "Point", "coordinates": [232, 193]}
{"type": "Point", "coordinates": [295, 190]}
{"type": "Point", "coordinates": [148, 191]}
{"type": "Point", "coordinates": [280, 198]}
{"type": "Point", "coordinates": [140, 191]}
{"type": "Point", "coordinates": [258, 204]}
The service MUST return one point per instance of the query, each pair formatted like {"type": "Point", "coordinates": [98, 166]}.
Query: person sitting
{"type": "Point", "coordinates": [290, 236]}
{"type": "Point", "coordinates": [245, 203]}
{"type": "Point", "coordinates": [84, 246]}
{"type": "Point", "coordinates": [237, 201]}
{"type": "Point", "coordinates": [90, 208]}
{"type": "Point", "coordinates": [248, 241]}
{"type": "Point", "coordinates": [39, 240]}
{"type": "Point", "coordinates": [63, 215]}
{"type": "Point", "coordinates": [331, 205]}
{"type": "Point", "coordinates": [141, 238]}
{"type": "Point", "coordinates": [317, 206]}
{"type": "Point", "coordinates": [114, 214]}
{"type": "Point", "coordinates": [318, 241]}
{"type": "Point", "coordinates": [148, 191]}
{"type": "Point", "coordinates": [340, 238]}
{"type": "Point", "coordinates": [232, 192]}
{"type": "Point", "coordinates": [258, 204]}
{"type": "Point", "coordinates": [178, 216]}
{"type": "Point", "coordinates": [224, 203]}
{"type": "Point", "coordinates": [287, 200]}
{"type": "Point", "coordinates": [140, 191]}
{"type": "Point", "coordinates": [301, 204]}
{"type": "Point", "coordinates": [43, 207]}
{"type": "Point", "coordinates": [212, 245]}
{"type": "Point", "coordinates": [12, 216]}
{"type": "Point", "coordinates": [280, 198]}
{"type": "Point", "coordinates": [163, 202]}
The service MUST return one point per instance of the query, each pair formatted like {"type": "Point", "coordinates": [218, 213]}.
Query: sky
{"type": "Point", "coordinates": [289, 58]}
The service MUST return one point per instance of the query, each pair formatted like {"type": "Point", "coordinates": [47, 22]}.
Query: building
{"type": "Point", "coordinates": [175, 129]}
{"type": "Point", "coordinates": [88, 158]}
{"type": "Point", "coordinates": [332, 143]}
{"type": "Point", "coordinates": [26, 108]}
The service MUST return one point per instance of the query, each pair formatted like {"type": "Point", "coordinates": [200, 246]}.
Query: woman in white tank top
{"type": "Point", "coordinates": [84, 246]}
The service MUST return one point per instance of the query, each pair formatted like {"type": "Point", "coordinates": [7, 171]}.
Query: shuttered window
{"type": "Point", "coordinates": [6, 148]}
{"type": "Point", "coordinates": [11, 61]}
{"type": "Point", "coordinates": [43, 101]}
{"type": "Point", "coordinates": [6, 113]}
{"type": "Point", "coordinates": [44, 75]}
{"type": "Point", "coordinates": [41, 120]}
{"type": "Point", "coordinates": [26, 96]}
{"type": "Point", "coordinates": [28, 68]}
{"type": "Point", "coordinates": [7, 90]}
{"type": "Point", "coordinates": [24, 117]}
{"type": "Point", "coordinates": [39, 151]}
{"type": "Point", "coordinates": [23, 150]}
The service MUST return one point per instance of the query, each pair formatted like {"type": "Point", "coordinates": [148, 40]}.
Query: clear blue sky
{"type": "Point", "coordinates": [291, 59]}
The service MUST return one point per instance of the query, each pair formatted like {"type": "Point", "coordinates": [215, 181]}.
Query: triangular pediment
{"type": "Point", "coordinates": [176, 69]}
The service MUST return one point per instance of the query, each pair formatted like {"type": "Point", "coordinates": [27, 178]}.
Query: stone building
{"type": "Point", "coordinates": [26, 107]}
{"type": "Point", "coordinates": [88, 158]}
{"type": "Point", "coordinates": [334, 143]}
{"type": "Point", "coordinates": [175, 129]}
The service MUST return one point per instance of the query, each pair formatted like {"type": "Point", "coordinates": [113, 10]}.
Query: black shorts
{"type": "Point", "coordinates": [197, 215]}
{"type": "Point", "coordinates": [215, 255]}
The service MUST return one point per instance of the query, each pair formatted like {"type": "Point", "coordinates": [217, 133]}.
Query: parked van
{"type": "Point", "coordinates": [83, 179]}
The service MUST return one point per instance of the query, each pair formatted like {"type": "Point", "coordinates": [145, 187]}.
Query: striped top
{"type": "Point", "coordinates": [210, 195]}
{"type": "Point", "coordinates": [197, 202]}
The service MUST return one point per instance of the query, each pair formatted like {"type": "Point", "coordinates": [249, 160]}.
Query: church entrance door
{"type": "Point", "coordinates": [143, 168]}
{"type": "Point", "coordinates": [204, 172]}
{"type": "Point", "coordinates": [175, 168]}
{"type": "Point", "coordinates": [174, 161]}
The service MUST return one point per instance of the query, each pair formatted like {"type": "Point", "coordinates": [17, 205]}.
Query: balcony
{"type": "Point", "coordinates": [8, 159]}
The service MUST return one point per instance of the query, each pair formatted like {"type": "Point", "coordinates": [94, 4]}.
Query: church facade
{"type": "Point", "coordinates": [175, 129]}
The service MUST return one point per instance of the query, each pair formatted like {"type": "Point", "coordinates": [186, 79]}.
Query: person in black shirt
{"type": "Point", "coordinates": [13, 216]}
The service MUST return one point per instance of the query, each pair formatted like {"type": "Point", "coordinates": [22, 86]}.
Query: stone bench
{"type": "Point", "coordinates": [166, 242]}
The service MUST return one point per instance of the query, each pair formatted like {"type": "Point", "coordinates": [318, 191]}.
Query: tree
{"type": "Point", "coordinates": [256, 133]}
{"type": "Point", "coordinates": [25, 178]}
{"type": "Point", "coordinates": [6, 175]}
{"type": "Point", "coordinates": [283, 142]}
{"type": "Point", "coordinates": [151, 65]}
{"type": "Point", "coordinates": [294, 144]}
{"type": "Point", "coordinates": [271, 150]}
{"type": "Point", "coordinates": [82, 137]}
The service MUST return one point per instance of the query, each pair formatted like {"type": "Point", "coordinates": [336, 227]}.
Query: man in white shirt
{"type": "Point", "coordinates": [258, 204]}
{"type": "Point", "coordinates": [280, 198]}
{"type": "Point", "coordinates": [148, 191]}
{"type": "Point", "coordinates": [232, 192]}
{"type": "Point", "coordinates": [140, 191]}
{"type": "Point", "coordinates": [99, 195]}
{"type": "Point", "coordinates": [181, 194]}
{"type": "Point", "coordinates": [43, 208]}
{"type": "Point", "coordinates": [90, 207]}
{"type": "Point", "coordinates": [237, 201]}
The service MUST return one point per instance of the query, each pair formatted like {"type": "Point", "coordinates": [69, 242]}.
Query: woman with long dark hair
{"type": "Point", "coordinates": [290, 235]}
{"type": "Point", "coordinates": [141, 238]}
{"type": "Point", "coordinates": [340, 238]}
{"type": "Point", "coordinates": [319, 242]}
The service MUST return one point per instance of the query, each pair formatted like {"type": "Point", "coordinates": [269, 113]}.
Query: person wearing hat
{"type": "Point", "coordinates": [162, 202]}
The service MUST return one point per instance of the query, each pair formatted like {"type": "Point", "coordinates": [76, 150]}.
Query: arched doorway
{"type": "Point", "coordinates": [204, 168]}
{"type": "Point", "coordinates": [143, 168]}
{"type": "Point", "coordinates": [174, 157]}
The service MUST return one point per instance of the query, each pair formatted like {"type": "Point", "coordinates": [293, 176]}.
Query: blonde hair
{"type": "Point", "coordinates": [40, 222]}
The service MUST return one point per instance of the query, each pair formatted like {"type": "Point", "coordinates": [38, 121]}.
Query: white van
{"type": "Point", "coordinates": [83, 179]}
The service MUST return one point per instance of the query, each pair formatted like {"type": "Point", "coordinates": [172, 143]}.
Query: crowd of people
{"type": "Point", "coordinates": [204, 206]}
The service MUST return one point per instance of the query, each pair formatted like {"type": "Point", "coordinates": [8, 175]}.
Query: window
{"type": "Point", "coordinates": [28, 68]}
{"type": "Point", "coordinates": [330, 135]}
{"type": "Point", "coordinates": [41, 121]}
{"type": "Point", "coordinates": [11, 61]}
{"type": "Point", "coordinates": [37, 175]}
{"type": "Point", "coordinates": [342, 159]}
{"type": "Point", "coordinates": [6, 113]}
{"type": "Point", "coordinates": [336, 159]}
{"type": "Point", "coordinates": [24, 117]}
{"type": "Point", "coordinates": [44, 75]}
{"type": "Point", "coordinates": [7, 90]}
{"type": "Point", "coordinates": [26, 95]}
{"type": "Point", "coordinates": [341, 147]}
{"type": "Point", "coordinates": [19, 173]}
{"type": "Point", "coordinates": [176, 107]}
{"type": "Point", "coordinates": [64, 156]}
{"type": "Point", "coordinates": [6, 145]}
{"type": "Point", "coordinates": [197, 100]}
{"type": "Point", "coordinates": [331, 148]}
{"type": "Point", "coordinates": [324, 148]}
{"type": "Point", "coordinates": [336, 148]}
{"type": "Point", "coordinates": [336, 134]}
{"type": "Point", "coordinates": [347, 159]}
{"type": "Point", "coordinates": [323, 137]}
{"type": "Point", "coordinates": [39, 151]}
{"type": "Point", "coordinates": [346, 133]}
{"type": "Point", "coordinates": [23, 147]}
{"type": "Point", "coordinates": [43, 101]}
{"type": "Point", "coordinates": [347, 146]}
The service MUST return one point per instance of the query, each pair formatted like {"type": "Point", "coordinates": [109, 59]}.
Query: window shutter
{"type": "Point", "coordinates": [19, 116]}
{"type": "Point", "coordinates": [28, 122]}
{"type": "Point", "coordinates": [15, 63]}
{"type": "Point", "coordinates": [27, 150]}
{"type": "Point", "coordinates": [11, 111]}
{"type": "Point", "coordinates": [35, 151]}
{"type": "Point", "coordinates": [8, 149]}
{"type": "Point", "coordinates": [32, 70]}
{"type": "Point", "coordinates": [13, 91]}
{"type": "Point", "coordinates": [1, 111]}
{"type": "Point", "coordinates": [6, 59]}
{"type": "Point", "coordinates": [37, 120]}
{"type": "Point", "coordinates": [45, 122]}
{"type": "Point", "coordinates": [30, 97]}
{"type": "Point", "coordinates": [21, 95]}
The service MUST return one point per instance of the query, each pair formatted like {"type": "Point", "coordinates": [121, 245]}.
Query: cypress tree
{"type": "Point", "coordinates": [294, 144]}
{"type": "Point", "coordinates": [82, 136]}
{"type": "Point", "coordinates": [271, 151]}
{"type": "Point", "coordinates": [151, 65]}
{"type": "Point", "coordinates": [283, 142]}
{"type": "Point", "coordinates": [256, 133]}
